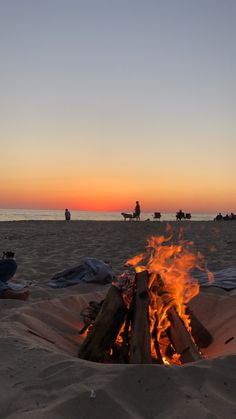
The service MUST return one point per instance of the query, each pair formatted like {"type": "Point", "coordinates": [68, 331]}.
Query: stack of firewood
{"type": "Point", "coordinates": [121, 330]}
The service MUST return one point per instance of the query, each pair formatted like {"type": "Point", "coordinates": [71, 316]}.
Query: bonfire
{"type": "Point", "coordinates": [145, 317]}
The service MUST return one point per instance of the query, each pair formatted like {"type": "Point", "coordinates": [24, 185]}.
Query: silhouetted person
{"type": "Point", "coordinates": [137, 211]}
{"type": "Point", "coordinates": [232, 216]}
{"type": "Point", "coordinates": [219, 217]}
{"type": "Point", "coordinates": [179, 215]}
{"type": "Point", "coordinates": [67, 215]}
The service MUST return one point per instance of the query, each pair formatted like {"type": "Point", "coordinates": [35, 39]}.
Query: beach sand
{"type": "Point", "coordinates": [41, 376]}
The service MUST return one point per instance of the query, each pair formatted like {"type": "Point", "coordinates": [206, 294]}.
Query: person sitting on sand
{"type": "Point", "coordinates": [219, 217]}
{"type": "Point", "coordinates": [179, 215]}
{"type": "Point", "coordinates": [67, 215]}
{"type": "Point", "coordinates": [137, 211]}
{"type": "Point", "coordinates": [8, 267]}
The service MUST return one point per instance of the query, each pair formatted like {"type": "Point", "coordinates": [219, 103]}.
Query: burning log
{"type": "Point", "coordinates": [125, 347]}
{"type": "Point", "coordinates": [144, 317]}
{"type": "Point", "coordinates": [200, 334]}
{"type": "Point", "coordinates": [140, 351]}
{"type": "Point", "coordinates": [177, 332]}
{"type": "Point", "coordinates": [159, 359]}
{"type": "Point", "coordinates": [152, 331]}
{"type": "Point", "coordinates": [103, 333]}
{"type": "Point", "coordinates": [181, 339]}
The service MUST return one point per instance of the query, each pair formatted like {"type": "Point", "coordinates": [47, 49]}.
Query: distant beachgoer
{"type": "Point", "coordinates": [67, 215]}
{"type": "Point", "coordinates": [179, 215]}
{"type": "Point", "coordinates": [219, 217]}
{"type": "Point", "coordinates": [137, 211]}
{"type": "Point", "coordinates": [8, 267]}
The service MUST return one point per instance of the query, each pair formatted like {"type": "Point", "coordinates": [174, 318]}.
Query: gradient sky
{"type": "Point", "coordinates": [104, 102]}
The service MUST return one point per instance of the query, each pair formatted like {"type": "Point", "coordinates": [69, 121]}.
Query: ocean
{"type": "Point", "coordinates": [33, 214]}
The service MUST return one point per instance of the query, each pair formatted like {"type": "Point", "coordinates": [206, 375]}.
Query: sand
{"type": "Point", "coordinates": [41, 376]}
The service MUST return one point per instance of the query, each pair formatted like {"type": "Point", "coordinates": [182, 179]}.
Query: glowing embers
{"type": "Point", "coordinates": [145, 318]}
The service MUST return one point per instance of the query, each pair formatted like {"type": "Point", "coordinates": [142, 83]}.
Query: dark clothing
{"type": "Point", "coordinates": [67, 215]}
{"type": "Point", "coordinates": [8, 268]}
{"type": "Point", "coordinates": [137, 210]}
{"type": "Point", "coordinates": [179, 215]}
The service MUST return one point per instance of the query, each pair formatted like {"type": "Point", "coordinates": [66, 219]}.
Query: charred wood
{"type": "Point", "coordinates": [125, 346]}
{"type": "Point", "coordinates": [202, 337]}
{"type": "Point", "coordinates": [104, 331]}
{"type": "Point", "coordinates": [177, 332]}
{"type": "Point", "coordinates": [140, 350]}
{"type": "Point", "coordinates": [181, 339]}
{"type": "Point", "coordinates": [159, 359]}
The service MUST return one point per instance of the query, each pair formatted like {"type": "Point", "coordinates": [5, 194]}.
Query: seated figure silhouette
{"type": "Point", "coordinates": [179, 215]}
{"type": "Point", "coordinates": [219, 217]}
{"type": "Point", "coordinates": [8, 267]}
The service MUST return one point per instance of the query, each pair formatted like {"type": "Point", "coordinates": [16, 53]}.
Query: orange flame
{"type": "Point", "coordinates": [171, 264]}
{"type": "Point", "coordinates": [135, 262]}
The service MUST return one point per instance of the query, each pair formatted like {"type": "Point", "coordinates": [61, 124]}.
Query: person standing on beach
{"type": "Point", "coordinates": [8, 267]}
{"type": "Point", "coordinates": [137, 211]}
{"type": "Point", "coordinates": [67, 215]}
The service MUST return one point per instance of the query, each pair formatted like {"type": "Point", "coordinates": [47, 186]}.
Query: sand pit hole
{"type": "Point", "coordinates": [55, 323]}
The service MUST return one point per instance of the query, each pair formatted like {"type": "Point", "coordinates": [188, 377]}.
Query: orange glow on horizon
{"type": "Point", "coordinates": [105, 193]}
{"type": "Point", "coordinates": [106, 202]}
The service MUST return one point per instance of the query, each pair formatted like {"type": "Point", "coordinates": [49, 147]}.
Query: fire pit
{"type": "Point", "coordinates": [145, 316]}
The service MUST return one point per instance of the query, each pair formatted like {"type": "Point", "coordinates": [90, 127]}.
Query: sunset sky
{"type": "Point", "coordinates": [104, 102]}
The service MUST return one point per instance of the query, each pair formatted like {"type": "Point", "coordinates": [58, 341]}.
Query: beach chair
{"type": "Point", "coordinates": [157, 216]}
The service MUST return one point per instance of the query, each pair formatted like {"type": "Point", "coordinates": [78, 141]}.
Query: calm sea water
{"type": "Point", "coordinates": [27, 214]}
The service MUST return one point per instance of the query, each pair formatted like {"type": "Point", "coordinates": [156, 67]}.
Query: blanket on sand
{"type": "Point", "coordinates": [91, 270]}
{"type": "Point", "coordinates": [223, 278]}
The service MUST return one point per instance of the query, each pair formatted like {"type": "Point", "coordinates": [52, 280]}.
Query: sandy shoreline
{"type": "Point", "coordinates": [44, 247]}
{"type": "Point", "coordinates": [41, 376]}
